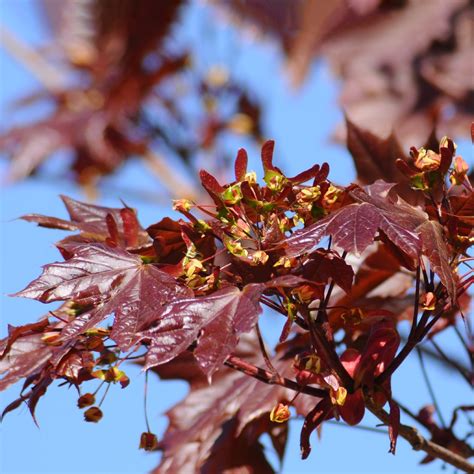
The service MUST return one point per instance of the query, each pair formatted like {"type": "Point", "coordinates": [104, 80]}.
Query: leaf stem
{"type": "Point", "coordinates": [267, 377]}
{"type": "Point", "coordinates": [263, 350]}
{"type": "Point", "coordinates": [430, 387]}
{"type": "Point", "coordinates": [145, 402]}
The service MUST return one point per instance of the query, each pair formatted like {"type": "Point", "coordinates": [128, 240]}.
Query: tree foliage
{"type": "Point", "coordinates": [185, 297]}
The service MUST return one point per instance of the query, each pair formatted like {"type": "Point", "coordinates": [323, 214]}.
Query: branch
{"type": "Point", "coordinates": [171, 180]}
{"type": "Point", "coordinates": [269, 378]}
{"type": "Point", "coordinates": [48, 75]}
{"type": "Point", "coordinates": [419, 443]}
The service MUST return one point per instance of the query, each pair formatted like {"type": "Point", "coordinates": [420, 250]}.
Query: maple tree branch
{"type": "Point", "coordinates": [420, 443]}
{"type": "Point", "coordinates": [415, 337]}
{"type": "Point", "coordinates": [177, 187]}
{"type": "Point", "coordinates": [469, 351]}
{"type": "Point", "coordinates": [47, 74]}
{"type": "Point", "coordinates": [267, 377]}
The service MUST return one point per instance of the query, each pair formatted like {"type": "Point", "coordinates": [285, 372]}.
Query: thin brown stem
{"type": "Point", "coordinates": [49, 75]}
{"type": "Point", "coordinates": [145, 402]}
{"type": "Point", "coordinates": [414, 322]}
{"type": "Point", "coordinates": [414, 338]}
{"type": "Point", "coordinates": [263, 350]}
{"type": "Point", "coordinates": [175, 184]}
{"type": "Point", "coordinates": [464, 344]}
{"type": "Point", "coordinates": [267, 377]}
{"type": "Point", "coordinates": [463, 371]}
{"type": "Point", "coordinates": [328, 352]}
{"type": "Point", "coordinates": [419, 443]}
{"type": "Point", "coordinates": [430, 387]}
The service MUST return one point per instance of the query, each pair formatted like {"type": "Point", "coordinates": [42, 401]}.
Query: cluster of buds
{"type": "Point", "coordinates": [112, 375]}
{"type": "Point", "coordinates": [427, 168]}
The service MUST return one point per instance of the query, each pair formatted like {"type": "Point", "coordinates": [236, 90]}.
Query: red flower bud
{"type": "Point", "coordinates": [280, 413]}
{"type": "Point", "coordinates": [86, 400]}
{"type": "Point", "coordinates": [148, 441]}
{"type": "Point", "coordinates": [93, 414]}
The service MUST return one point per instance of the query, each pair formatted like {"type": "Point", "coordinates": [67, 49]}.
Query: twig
{"type": "Point", "coordinates": [267, 360]}
{"type": "Point", "coordinates": [267, 377]}
{"type": "Point", "coordinates": [430, 387]}
{"type": "Point", "coordinates": [48, 75]}
{"type": "Point", "coordinates": [177, 187]}
{"type": "Point", "coordinates": [464, 344]}
{"type": "Point", "coordinates": [463, 371]}
{"type": "Point", "coordinates": [414, 322]}
{"type": "Point", "coordinates": [419, 443]}
{"type": "Point", "coordinates": [416, 337]}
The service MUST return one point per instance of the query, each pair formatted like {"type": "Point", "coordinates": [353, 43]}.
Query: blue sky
{"type": "Point", "coordinates": [64, 443]}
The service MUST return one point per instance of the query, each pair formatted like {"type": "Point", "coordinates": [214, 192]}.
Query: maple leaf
{"type": "Point", "coordinates": [115, 281]}
{"type": "Point", "coordinates": [434, 247]}
{"type": "Point", "coordinates": [403, 82]}
{"type": "Point", "coordinates": [354, 227]}
{"type": "Point", "coordinates": [374, 158]}
{"type": "Point", "coordinates": [323, 266]}
{"type": "Point", "coordinates": [23, 352]}
{"type": "Point", "coordinates": [213, 419]}
{"type": "Point", "coordinates": [219, 319]}
{"type": "Point", "coordinates": [97, 223]}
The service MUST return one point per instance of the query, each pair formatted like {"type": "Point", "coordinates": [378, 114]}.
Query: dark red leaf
{"type": "Point", "coordinates": [219, 319]}
{"type": "Point", "coordinates": [116, 281]}
{"type": "Point", "coordinates": [240, 166]}
{"type": "Point", "coordinates": [394, 425]}
{"type": "Point", "coordinates": [267, 155]}
{"type": "Point", "coordinates": [374, 158]}
{"type": "Point", "coordinates": [435, 248]}
{"type": "Point", "coordinates": [26, 355]}
{"type": "Point", "coordinates": [323, 266]}
{"type": "Point", "coordinates": [312, 420]}
{"type": "Point", "coordinates": [210, 183]}
{"type": "Point", "coordinates": [131, 227]}
{"type": "Point", "coordinates": [217, 418]}
{"type": "Point", "coordinates": [354, 227]}
{"type": "Point", "coordinates": [97, 222]}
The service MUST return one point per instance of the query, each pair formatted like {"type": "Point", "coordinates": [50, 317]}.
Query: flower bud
{"type": "Point", "coordinates": [308, 195]}
{"type": "Point", "coordinates": [259, 257]}
{"type": "Point", "coordinates": [232, 195]}
{"type": "Point", "coordinates": [275, 180]}
{"type": "Point", "coordinates": [148, 441]}
{"type": "Point", "coordinates": [338, 397]}
{"type": "Point", "coordinates": [242, 124]}
{"type": "Point", "coordinates": [285, 262]}
{"type": "Point", "coordinates": [93, 415]}
{"type": "Point", "coordinates": [427, 160]}
{"type": "Point", "coordinates": [251, 177]}
{"type": "Point", "coordinates": [280, 413]}
{"type": "Point", "coordinates": [86, 400]}
{"type": "Point", "coordinates": [459, 172]}
{"type": "Point", "coordinates": [182, 205]}
{"type": "Point", "coordinates": [428, 301]}
{"type": "Point", "coordinates": [331, 196]}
